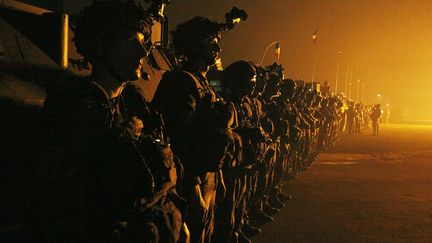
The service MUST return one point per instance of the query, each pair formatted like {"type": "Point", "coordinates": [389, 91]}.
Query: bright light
{"type": "Point", "coordinates": [236, 20]}
{"type": "Point", "coordinates": [378, 95]}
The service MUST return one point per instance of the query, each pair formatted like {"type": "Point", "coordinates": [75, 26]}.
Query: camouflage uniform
{"type": "Point", "coordinates": [92, 175]}
{"type": "Point", "coordinates": [186, 102]}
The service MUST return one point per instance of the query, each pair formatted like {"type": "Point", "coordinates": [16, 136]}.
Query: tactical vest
{"type": "Point", "coordinates": [187, 103]}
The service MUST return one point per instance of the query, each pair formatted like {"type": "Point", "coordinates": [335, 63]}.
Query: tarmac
{"type": "Point", "coordinates": [365, 189]}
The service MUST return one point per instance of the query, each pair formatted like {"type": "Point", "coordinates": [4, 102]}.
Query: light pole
{"type": "Point", "coordinates": [358, 90]}
{"type": "Point", "coordinates": [314, 39]}
{"type": "Point", "coordinates": [362, 95]}
{"type": "Point", "coordinates": [349, 91]}
{"type": "Point", "coordinates": [346, 79]}
{"type": "Point", "coordinates": [313, 67]}
{"type": "Point", "coordinates": [378, 99]}
{"type": "Point", "coordinates": [337, 71]}
{"type": "Point", "coordinates": [265, 52]}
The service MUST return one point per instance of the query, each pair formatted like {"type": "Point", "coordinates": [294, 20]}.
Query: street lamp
{"type": "Point", "coordinates": [349, 90]}
{"type": "Point", "coordinates": [337, 71]}
{"type": "Point", "coordinates": [346, 78]}
{"type": "Point", "coordinates": [277, 43]}
{"type": "Point", "coordinates": [358, 90]}
{"type": "Point", "coordinates": [379, 98]}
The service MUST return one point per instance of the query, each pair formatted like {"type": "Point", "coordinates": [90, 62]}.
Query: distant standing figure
{"type": "Point", "coordinates": [387, 113]}
{"type": "Point", "coordinates": [375, 116]}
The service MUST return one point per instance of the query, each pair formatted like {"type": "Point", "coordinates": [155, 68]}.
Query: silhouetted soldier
{"type": "Point", "coordinates": [164, 205]}
{"type": "Point", "coordinates": [358, 118]}
{"type": "Point", "coordinates": [350, 116]}
{"type": "Point", "coordinates": [272, 111]}
{"type": "Point", "coordinates": [187, 103]}
{"type": "Point", "coordinates": [92, 177]}
{"type": "Point", "coordinates": [238, 83]}
{"type": "Point", "coordinates": [291, 114]}
{"type": "Point", "coordinates": [375, 116]}
{"type": "Point", "coordinates": [264, 171]}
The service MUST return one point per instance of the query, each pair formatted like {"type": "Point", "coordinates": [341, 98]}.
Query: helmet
{"type": "Point", "coordinates": [239, 76]}
{"type": "Point", "coordinates": [273, 80]}
{"type": "Point", "coordinates": [287, 86]}
{"type": "Point", "coordinates": [192, 34]}
{"type": "Point", "coordinates": [96, 25]}
{"type": "Point", "coordinates": [277, 69]}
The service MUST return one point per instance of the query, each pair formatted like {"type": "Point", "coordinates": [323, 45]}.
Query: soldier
{"type": "Point", "coordinates": [375, 116]}
{"type": "Point", "coordinates": [260, 209]}
{"type": "Point", "coordinates": [92, 178]}
{"type": "Point", "coordinates": [164, 205]}
{"type": "Point", "coordinates": [227, 202]}
{"type": "Point", "coordinates": [351, 113]}
{"type": "Point", "coordinates": [358, 118]}
{"type": "Point", "coordinates": [272, 109]}
{"type": "Point", "coordinates": [188, 104]}
{"type": "Point", "coordinates": [238, 82]}
{"type": "Point", "coordinates": [291, 114]}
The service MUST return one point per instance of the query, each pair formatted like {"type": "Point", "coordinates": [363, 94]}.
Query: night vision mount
{"type": "Point", "coordinates": [232, 18]}
{"type": "Point", "coordinates": [157, 8]}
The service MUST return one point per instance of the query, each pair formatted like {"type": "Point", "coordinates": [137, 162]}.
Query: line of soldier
{"type": "Point", "coordinates": [282, 128]}
{"type": "Point", "coordinates": [359, 117]}
{"type": "Point", "coordinates": [193, 165]}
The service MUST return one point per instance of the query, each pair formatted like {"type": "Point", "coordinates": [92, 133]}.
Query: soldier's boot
{"type": "Point", "coordinates": [250, 231]}
{"type": "Point", "coordinates": [275, 202]}
{"type": "Point", "coordinates": [242, 238]}
{"type": "Point", "coordinates": [284, 197]}
{"type": "Point", "coordinates": [269, 210]}
{"type": "Point", "coordinates": [259, 217]}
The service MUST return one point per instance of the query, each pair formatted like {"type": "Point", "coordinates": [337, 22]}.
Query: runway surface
{"type": "Point", "coordinates": [365, 189]}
